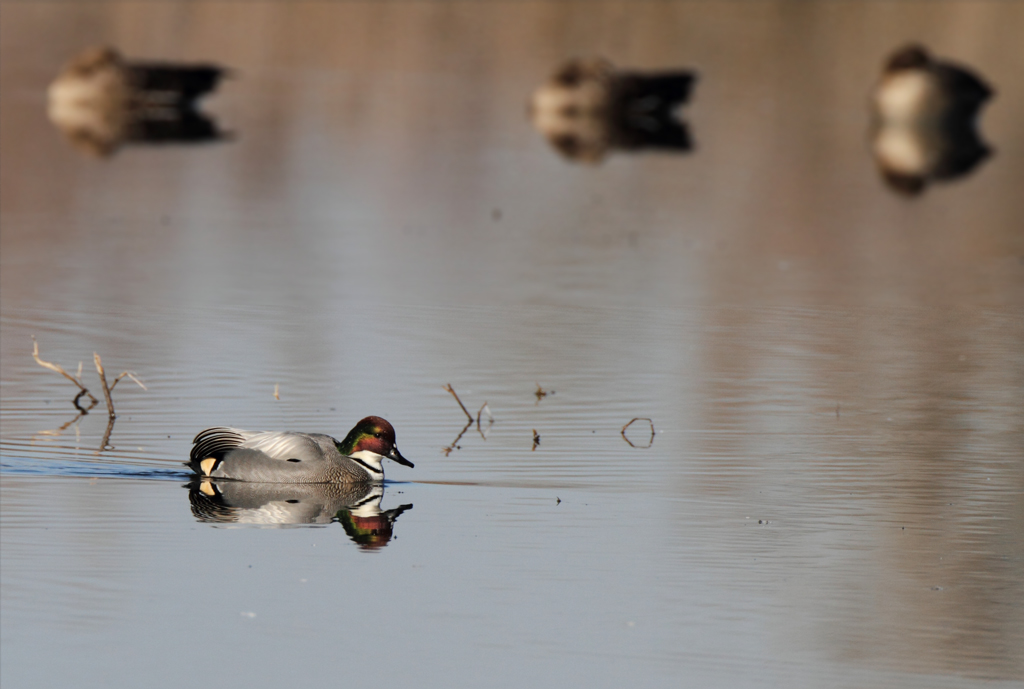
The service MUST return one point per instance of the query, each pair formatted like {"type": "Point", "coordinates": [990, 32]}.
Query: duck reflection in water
{"type": "Point", "coordinates": [588, 108]}
{"type": "Point", "coordinates": [100, 101]}
{"type": "Point", "coordinates": [356, 506]}
{"type": "Point", "coordinates": [924, 127]}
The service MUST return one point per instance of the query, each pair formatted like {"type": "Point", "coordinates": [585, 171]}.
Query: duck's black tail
{"type": "Point", "coordinates": [212, 444]}
{"type": "Point", "coordinates": [180, 85]}
{"type": "Point", "coordinates": [967, 92]}
{"type": "Point", "coordinates": [657, 92]}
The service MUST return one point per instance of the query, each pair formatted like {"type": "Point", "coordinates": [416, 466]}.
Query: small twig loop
{"type": "Point", "coordinates": [490, 420]}
{"type": "Point", "coordinates": [634, 420]}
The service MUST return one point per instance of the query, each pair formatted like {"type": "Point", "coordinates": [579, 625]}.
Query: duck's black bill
{"type": "Point", "coordinates": [397, 456]}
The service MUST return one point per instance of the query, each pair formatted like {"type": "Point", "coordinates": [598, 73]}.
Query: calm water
{"type": "Point", "coordinates": [834, 495]}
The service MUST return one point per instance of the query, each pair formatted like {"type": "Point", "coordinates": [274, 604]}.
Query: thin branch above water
{"type": "Point", "coordinates": [77, 381]}
{"type": "Point", "coordinates": [107, 389]}
{"type": "Point", "coordinates": [449, 388]}
{"type": "Point", "coordinates": [84, 391]}
{"type": "Point", "coordinates": [483, 412]}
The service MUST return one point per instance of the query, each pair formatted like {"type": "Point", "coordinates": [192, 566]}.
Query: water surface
{"type": "Point", "coordinates": [834, 495]}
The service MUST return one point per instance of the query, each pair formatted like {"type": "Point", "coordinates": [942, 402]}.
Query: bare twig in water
{"type": "Point", "coordinates": [84, 392]}
{"type": "Point", "coordinates": [92, 402]}
{"type": "Point", "coordinates": [455, 443]}
{"type": "Point", "coordinates": [449, 388]}
{"type": "Point", "coordinates": [641, 418]}
{"type": "Point", "coordinates": [107, 389]}
{"type": "Point", "coordinates": [131, 375]}
{"type": "Point", "coordinates": [536, 440]}
{"type": "Point", "coordinates": [56, 432]}
{"type": "Point", "coordinates": [77, 381]}
{"type": "Point", "coordinates": [541, 394]}
{"type": "Point", "coordinates": [469, 421]}
{"type": "Point", "coordinates": [105, 443]}
{"type": "Point", "coordinates": [490, 420]}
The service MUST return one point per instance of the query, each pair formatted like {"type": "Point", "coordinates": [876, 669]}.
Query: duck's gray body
{"type": "Point", "coordinates": [276, 457]}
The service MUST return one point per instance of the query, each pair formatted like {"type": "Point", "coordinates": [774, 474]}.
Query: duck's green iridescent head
{"type": "Point", "coordinates": [373, 434]}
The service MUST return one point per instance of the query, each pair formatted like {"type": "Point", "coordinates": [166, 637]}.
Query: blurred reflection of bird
{"type": "Point", "coordinates": [99, 101]}
{"type": "Point", "coordinates": [588, 108]}
{"type": "Point", "coordinates": [924, 120]}
{"type": "Point", "coordinates": [355, 506]}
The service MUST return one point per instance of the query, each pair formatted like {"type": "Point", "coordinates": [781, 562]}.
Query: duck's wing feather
{"type": "Point", "coordinates": [282, 445]}
{"type": "Point", "coordinates": [285, 445]}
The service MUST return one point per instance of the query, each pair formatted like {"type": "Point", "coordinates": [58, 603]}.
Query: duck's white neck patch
{"type": "Point", "coordinates": [371, 461]}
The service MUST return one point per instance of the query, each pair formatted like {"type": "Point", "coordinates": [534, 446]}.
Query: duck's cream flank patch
{"type": "Point", "coordinates": [207, 465]}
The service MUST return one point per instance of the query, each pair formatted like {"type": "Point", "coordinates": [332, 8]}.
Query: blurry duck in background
{"type": "Point", "coordinates": [355, 506]}
{"type": "Point", "coordinates": [924, 127]}
{"type": "Point", "coordinates": [100, 101]}
{"type": "Point", "coordinates": [588, 108]}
